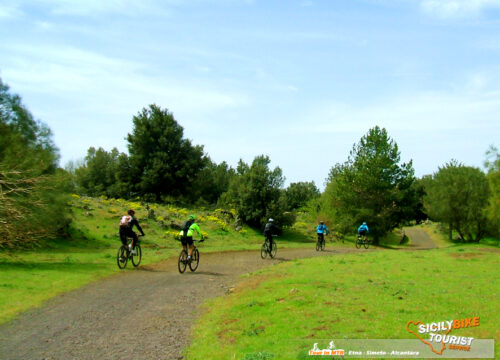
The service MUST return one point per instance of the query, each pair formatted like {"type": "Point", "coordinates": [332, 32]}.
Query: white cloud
{"type": "Point", "coordinates": [439, 111]}
{"type": "Point", "coordinates": [9, 10]}
{"type": "Point", "coordinates": [457, 8]}
{"type": "Point", "coordinates": [89, 7]}
{"type": "Point", "coordinates": [69, 71]}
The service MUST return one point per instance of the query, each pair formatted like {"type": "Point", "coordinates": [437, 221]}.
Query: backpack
{"type": "Point", "coordinates": [125, 221]}
{"type": "Point", "coordinates": [185, 227]}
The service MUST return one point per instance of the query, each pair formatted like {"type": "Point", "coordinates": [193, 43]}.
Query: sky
{"type": "Point", "coordinates": [300, 81]}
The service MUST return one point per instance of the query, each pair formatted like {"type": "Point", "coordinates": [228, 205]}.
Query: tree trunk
{"type": "Point", "coordinates": [461, 235]}
{"type": "Point", "coordinates": [450, 232]}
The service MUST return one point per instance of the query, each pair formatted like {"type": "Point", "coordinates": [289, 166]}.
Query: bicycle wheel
{"type": "Point", "coordinates": [182, 261]}
{"type": "Point", "coordinates": [263, 250]}
{"type": "Point", "coordinates": [358, 242]}
{"type": "Point", "coordinates": [195, 260]}
{"type": "Point", "coordinates": [366, 243]}
{"type": "Point", "coordinates": [274, 249]}
{"type": "Point", "coordinates": [122, 257]}
{"type": "Point", "coordinates": [323, 245]}
{"type": "Point", "coordinates": [136, 259]}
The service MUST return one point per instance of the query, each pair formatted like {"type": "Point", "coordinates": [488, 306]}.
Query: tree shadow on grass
{"type": "Point", "coordinates": [51, 265]}
{"type": "Point", "coordinates": [210, 273]}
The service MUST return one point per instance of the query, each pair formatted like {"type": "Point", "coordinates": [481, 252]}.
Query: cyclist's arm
{"type": "Point", "coordinates": [196, 228]}
{"type": "Point", "coordinates": [136, 223]}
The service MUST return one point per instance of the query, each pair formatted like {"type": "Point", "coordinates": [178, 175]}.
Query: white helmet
{"type": "Point", "coordinates": [271, 220]}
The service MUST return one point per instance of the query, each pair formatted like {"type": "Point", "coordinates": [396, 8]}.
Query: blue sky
{"type": "Point", "coordinates": [300, 81]}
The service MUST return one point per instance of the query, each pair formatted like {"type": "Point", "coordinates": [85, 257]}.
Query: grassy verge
{"type": "Point", "coordinates": [281, 311]}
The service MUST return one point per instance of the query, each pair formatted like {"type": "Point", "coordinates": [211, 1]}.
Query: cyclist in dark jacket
{"type": "Point", "coordinates": [126, 224]}
{"type": "Point", "coordinates": [269, 230]}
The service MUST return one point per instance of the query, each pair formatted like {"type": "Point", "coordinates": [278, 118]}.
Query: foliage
{"type": "Point", "coordinates": [419, 192]}
{"type": "Point", "coordinates": [493, 166]}
{"type": "Point", "coordinates": [300, 193]}
{"type": "Point", "coordinates": [458, 195]}
{"type": "Point", "coordinates": [211, 182]}
{"type": "Point", "coordinates": [162, 162]}
{"type": "Point", "coordinates": [371, 186]}
{"type": "Point", "coordinates": [104, 173]}
{"type": "Point", "coordinates": [32, 190]}
{"type": "Point", "coordinates": [162, 166]}
{"type": "Point", "coordinates": [256, 193]}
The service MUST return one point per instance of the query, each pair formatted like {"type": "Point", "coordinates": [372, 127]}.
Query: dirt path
{"type": "Point", "coordinates": [142, 314]}
{"type": "Point", "coordinates": [420, 240]}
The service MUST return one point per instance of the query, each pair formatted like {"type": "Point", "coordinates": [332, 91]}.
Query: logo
{"type": "Point", "coordinates": [315, 351]}
{"type": "Point", "coordinates": [439, 335]}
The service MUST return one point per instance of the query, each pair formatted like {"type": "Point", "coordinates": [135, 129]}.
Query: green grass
{"type": "Point", "coordinates": [282, 310]}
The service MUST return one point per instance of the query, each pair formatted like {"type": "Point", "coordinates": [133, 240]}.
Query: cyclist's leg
{"type": "Point", "coordinates": [184, 243]}
{"type": "Point", "coordinates": [189, 240]}
{"type": "Point", "coordinates": [269, 239]}
{"type": "Point", "coordinates": [123, 237]}
{"type": "Point", "coordinates": [135, 239]}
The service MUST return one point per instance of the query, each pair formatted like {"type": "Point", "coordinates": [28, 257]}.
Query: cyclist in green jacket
{"type": "Point", "coordinates": [187, 232]}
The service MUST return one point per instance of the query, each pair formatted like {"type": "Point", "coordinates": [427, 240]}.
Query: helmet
{"type": "Point", "coordinates": [271, 220]}
{"type": "Point", "coordinates": [321, 222]}
{"type": "Point", "coordinates": [364, 222]}
{"type": "Point", "coordinates": [192, 217]}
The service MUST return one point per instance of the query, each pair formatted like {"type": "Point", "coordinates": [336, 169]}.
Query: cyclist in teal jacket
{"type": "Point", "coordinates": [363, 230]}
{"type": "Point", "coordinates": [321, 230]}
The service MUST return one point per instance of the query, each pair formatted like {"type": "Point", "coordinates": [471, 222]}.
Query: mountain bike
{"type": "Point", "coordinates": [320, 243]}
{"type": "Point", "coordinates": [266, 249]}
{"type": "Point", "coordinates": [362, 241]}
{"type": "Point", "coordinates": [124, 254]}
{"type": "Point", "coordinates": [193, 262]}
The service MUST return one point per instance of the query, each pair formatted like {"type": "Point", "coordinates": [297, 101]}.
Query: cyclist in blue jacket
{"type": "Point", "coordinates": [321, 230]}
{"type": "Point", "coordinates": [363, 230]}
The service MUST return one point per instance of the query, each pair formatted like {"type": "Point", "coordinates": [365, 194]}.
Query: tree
{"type": "Point", "coordinates": [372, 186]}
{"type": "Point", "coordinates": [104, 173]}
{"type": "Point", "coordinates": [493, 165]}
{"type": "Point", "coordinates": [33, 192]}
{"type": "Point", "coordinates": [211, 182]}
{"type": "Point", "coordinates": [256, 193]}
{"type": "Point", "coordinates": [163, 163]}
{"type": "Point", "coordinates": [458, 196]}
{"type": "Point", "coordinates": [300, 193]}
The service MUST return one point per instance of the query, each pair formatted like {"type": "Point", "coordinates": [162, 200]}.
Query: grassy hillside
{"type": "Point", "coordinates": [29, 277]}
